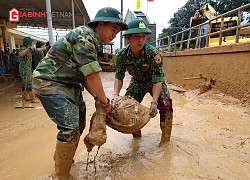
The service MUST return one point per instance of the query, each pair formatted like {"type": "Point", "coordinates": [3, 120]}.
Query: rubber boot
{"type": "Point", "coordinates": [166, 118]}
{"type": "Point", "coordinates": [166, 127]}
{"type": "Point", "coordinates": [63, 158]}
{"type": "Point", "coordinates": [33, 97]}
{"type": "Point", "coordinates": [137, 134]}
{"type": "Point", "coordinates": [26, 96]}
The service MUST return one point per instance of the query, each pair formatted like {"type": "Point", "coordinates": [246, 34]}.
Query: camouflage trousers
{"type": "Point", "coordinates": [69, 114]}
{"type": "Point", "coordinates": [25, 70]}
{"type": "Point", "coordinates": [138, 90]}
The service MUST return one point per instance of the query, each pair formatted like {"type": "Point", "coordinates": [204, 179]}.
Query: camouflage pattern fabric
{"type": "Point", "coordinates": [138, 90]}
{"type": "Point", "coordinates": [68, 114]}
{"type": "Point", "coordinates": [38, 55]}
{"type": "Point", "coordinates": [68, 61]}
{"type": "Point", "coordinates": [58, 76]}
{"type": "Point", "coordinates": [145, 70]}
{"type": "Point", "coordinates": [25, 69]}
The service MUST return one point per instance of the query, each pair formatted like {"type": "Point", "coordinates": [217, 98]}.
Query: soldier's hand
{"type": "Point", "coordinates": [104, 108]}
{"type": "Point", "coordinates": [153, 109]}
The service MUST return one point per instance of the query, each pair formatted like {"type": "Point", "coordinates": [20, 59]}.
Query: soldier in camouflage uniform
{"type": "Point", "coordinates": [38, 55]}
{"type": "Point", "coordinates": [25, 68]}
{"type": "Point", "coordinates": [144, 63]}
{"type": "Point", "coordinates": [70, 64]}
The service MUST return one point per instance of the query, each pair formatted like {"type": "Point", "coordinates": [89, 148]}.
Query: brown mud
{"type": "Point", "coordinates": [210, 140]}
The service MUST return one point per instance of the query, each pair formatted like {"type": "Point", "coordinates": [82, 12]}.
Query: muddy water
{"type": "Point", "coordinates": [210, 140]}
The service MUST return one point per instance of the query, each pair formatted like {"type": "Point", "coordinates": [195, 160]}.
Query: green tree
{"type": "Point", "coordinates": [181, 19]}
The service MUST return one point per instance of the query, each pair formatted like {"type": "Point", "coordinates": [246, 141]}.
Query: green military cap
{"type": "Point", "coordinates": [39, 44]}
{"type": "Point", "coordinates": [108, 14]}
{"type": "Point", "coordinates": [27, 40]}
{"type": "Point", "coordinates": [137, 26]}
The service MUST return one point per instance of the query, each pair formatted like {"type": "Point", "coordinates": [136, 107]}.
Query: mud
{"type": "Point", "coordinates": [210, 140]}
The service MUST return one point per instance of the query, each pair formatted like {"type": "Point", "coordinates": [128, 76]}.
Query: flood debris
{"type": "Point", "coordinates": [198, 77]}
{"type": "Point", "coordinates": [178, 89]}
{"type": "Point", "coordinates": [204, 87]}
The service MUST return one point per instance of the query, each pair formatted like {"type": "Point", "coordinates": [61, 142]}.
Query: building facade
{"type": "Point", "coordinates": [139, 14]}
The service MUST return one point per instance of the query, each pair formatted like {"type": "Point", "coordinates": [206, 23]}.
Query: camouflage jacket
{"type": "Point", "coordinates": [38, 55]}
{"type": "Point", "coordinates": [145, 68]}
{"type": "Point", "coordinates": [68, 62]}
{"type": "Point", "coordinates": [26, 59]}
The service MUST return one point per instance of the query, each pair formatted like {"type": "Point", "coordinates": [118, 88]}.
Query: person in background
{"type": "Point", "coordinates": [70, 64]}
{"type": "Point", "coordinates": [144, 63]}
{"type": "Point", "coordinates": [47, 45]}
{"type": "Point", "coordinates": [1, 62]}
{"type": "Point", "coordinates": [25, 68]}
{"type": "Point", "coordinates": [11, 61]}
{"type": "Point", "coordinates": [6, 64]}
{"type": "Point", "coordinates": [38, 55]}
{"type": "Point", "coordinates": [16, 62]}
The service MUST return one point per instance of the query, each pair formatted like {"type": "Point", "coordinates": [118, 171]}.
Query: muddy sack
{"type": "Point", "coordinates": [127, 115]}
{"type": "Point", "coordinates": [97, 132]}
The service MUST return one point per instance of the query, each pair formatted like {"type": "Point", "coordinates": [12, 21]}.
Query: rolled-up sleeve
{"type": "Point", "coordinates": [90, 68]}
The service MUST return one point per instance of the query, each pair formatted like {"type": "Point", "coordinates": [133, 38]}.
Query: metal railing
{"type": "Point", "coordinates": [199, 35]}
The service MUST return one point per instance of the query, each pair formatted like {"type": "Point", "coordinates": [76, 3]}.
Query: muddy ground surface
{"type": "Point", "coordinates": [210, 140]}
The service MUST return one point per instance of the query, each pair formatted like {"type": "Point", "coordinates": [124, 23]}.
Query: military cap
{"type": "Point", "coordinates": [39, 44]}
{"type": "Point", "coordinates": [27, 40]}
{"type": "Point", "coordinates": [108, 14]}
{"type": "Point", "coordinates": [137, 26]}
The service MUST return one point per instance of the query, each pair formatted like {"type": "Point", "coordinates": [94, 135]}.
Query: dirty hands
{"type": "Point", "coordinates": [104, 107]}
{"type": "Point", "coordinates": [153, 109]}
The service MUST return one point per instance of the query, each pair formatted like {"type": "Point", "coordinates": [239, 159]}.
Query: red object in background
{"type": "Point", "coordinates": [150, 0]}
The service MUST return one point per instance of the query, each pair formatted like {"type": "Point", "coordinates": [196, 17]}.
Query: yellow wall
{"type": "Point", "coordinates": [229, 65]}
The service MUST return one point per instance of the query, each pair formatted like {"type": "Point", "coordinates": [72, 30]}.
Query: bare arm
{"type": "Point", "coordinates": [94, 86]}
{"type": "Point", "coordinates": [157, 88]}
{"type": "Point", "coordinates": [24, 52]}
{"type": "Point", "coordinates": [41, 49]}
{"type": "Point", "coordinates": [86, 86]}
{"type": "Point", "coordinates": [117, 86]}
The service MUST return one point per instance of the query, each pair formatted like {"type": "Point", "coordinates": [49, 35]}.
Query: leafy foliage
{"type": "Point", "coordinates": [181, 19]}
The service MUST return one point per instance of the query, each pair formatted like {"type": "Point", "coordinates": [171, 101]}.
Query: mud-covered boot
{"type": "Point", "coordinates": [137, 134]}
{"type": "Point", "coordinates": [33, 97]}
{"type": "Point", "coordinates": [166, 128]}
{"type": "Point", "coordinates": [166, 118]}
{"type": "Point", "coordinates": [26, 96]}
{"type": "Point", "coordinates": [63, 158]}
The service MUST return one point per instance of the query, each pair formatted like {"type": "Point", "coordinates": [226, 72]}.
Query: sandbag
{"type": "Point", "coordinates": [97, 132]}
{"type": "Point", "coordinates": [127, 115]}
